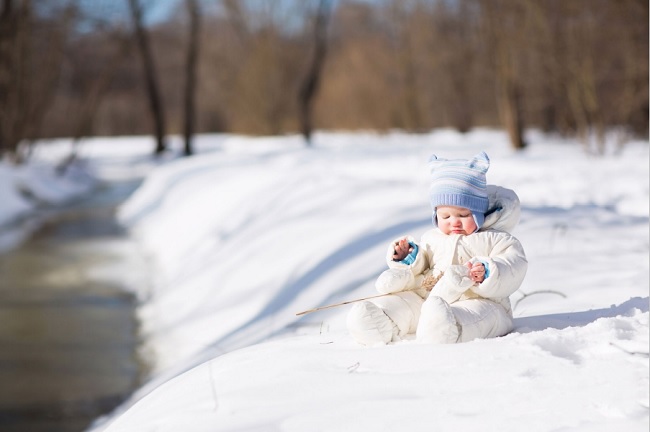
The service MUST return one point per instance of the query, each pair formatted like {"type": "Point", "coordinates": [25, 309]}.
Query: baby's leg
{"type": "Point", "coordinates": [461, 321]}
{"type": "Point", "coordinates": [481, 319]}
{"type": "Point", "coordinates": [437, 322]}
{"type": "Point", "coordinates": [385, 318]}
{"type": "Point", "coordinates": [403, 309]}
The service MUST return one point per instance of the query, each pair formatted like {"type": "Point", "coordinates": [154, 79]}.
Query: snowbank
{"type": "Point", "coordinates": [251, 231]}
{"type": "Point", "coordinates": [590, 377]}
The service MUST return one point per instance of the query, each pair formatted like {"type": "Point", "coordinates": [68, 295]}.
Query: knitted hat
{"type": "Point", "coordinates": [460, 183]}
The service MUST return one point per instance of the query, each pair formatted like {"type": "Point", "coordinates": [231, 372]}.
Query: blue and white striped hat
{"type": "Point", "coordinates": [460, 183]}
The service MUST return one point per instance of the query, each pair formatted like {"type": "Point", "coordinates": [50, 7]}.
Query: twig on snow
{"type": "Point", "coordinates": [428, 283]}
{"type": "Point", "coordinates": [526, 295]}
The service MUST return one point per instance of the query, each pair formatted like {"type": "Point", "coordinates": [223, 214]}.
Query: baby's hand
{"type": "Point", "coordinates": [402, 249]}
{"type": "Point", "coordinates": [476, 271]}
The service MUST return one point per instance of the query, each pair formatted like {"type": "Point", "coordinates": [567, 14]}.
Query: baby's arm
{"type": "Point", "coordinates": [476, 271]}
{"type": "Point", "coordinates": [402, 249]}
{"type": "Point", "coordinates": [407, 264]}
{"type": "Point", "coordinates": [505, 268]}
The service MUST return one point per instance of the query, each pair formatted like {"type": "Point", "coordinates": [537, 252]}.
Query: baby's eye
{"type": "Point", "coordinates": [465, 215]}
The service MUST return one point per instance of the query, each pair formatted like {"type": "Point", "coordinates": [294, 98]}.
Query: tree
{"type": "Point", "coordinates": [404, 58]}
{"type": "Point", "coordinates": [150, 76]}
{"type": "Point", "coordinates": [99, 85]}
{"type": "Point", "coordinates": [464, 60]}
{"type": "Point", "coordinates": [573, 67]}
{"type": "Point", "coordinates": [310, 83]}
{"type": "Point", "coordinates": [505, 23]}
{"type": "Point", "coordinates": [31, 57]}
{"type": "Point", "coordinates": [85, 112]}
{"type": "Point", "coordinates": [190, 73]}
{"type": "Point", "coordinates": [12, 60]}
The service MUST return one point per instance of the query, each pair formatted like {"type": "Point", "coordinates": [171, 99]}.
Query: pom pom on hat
{"type": "Point", "coordinates": [460, 183]}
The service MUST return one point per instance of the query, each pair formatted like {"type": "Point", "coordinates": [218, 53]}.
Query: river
{"type": "Point", "coordinates": [68, 327]}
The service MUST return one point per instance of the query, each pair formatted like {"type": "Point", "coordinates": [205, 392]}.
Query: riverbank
{"type": "Point", "coordinates": [34, 190]}
{"type": "Point", "coordinates": [69, 343]}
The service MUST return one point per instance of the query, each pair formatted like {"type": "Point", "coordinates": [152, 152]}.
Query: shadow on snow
{"type": "Point", "coordinates": [564, 320]}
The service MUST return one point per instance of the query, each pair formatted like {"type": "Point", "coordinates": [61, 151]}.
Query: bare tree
{"type": "Point", "coordinates": [265, 78]}
{"type": "Point", "coordinates": [504, 24]}
{"type": "Point", "coordinates": [360, 88]}
{"type": "Point", "coordinates": [457, 50]}
{"type": "Point", "coordinates": [575, 67]}
{"type": "Point", "coordinates": [190, 73]}
{"type": "Point", "coordinates": [236, 18]}
{"type": "Point", "coordinates": [310, 84]}
{"type": "Point", "coordinates": [150, 76]}
{"type": "Point", "coordinates": [11, 59]}
{"type": "Point", "coordinates": [402, 51]}
{"type": "Point", "coordinates": [92, 97]}
{"type": "Point", "coordinates": [99, 86]}
{"type": "Point", "coordinates": [633, 26]}
{"type": "Point", "coordinates": [31, 55]}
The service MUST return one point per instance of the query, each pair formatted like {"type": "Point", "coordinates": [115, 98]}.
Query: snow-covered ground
{"type": "Point", "coordinates": [251, 231]}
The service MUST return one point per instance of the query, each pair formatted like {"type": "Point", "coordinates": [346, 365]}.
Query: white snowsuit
{"type": "Point", "coordinates": [457, 309]}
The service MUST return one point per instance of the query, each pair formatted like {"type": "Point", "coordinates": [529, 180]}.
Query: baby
{"type": "Point", "coordinates": [454, 285]}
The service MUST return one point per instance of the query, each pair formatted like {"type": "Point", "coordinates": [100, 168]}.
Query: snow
{"type": "Point", "coordinates": [251, 231]}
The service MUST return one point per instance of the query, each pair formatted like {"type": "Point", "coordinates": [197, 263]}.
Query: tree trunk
{"type": "Point", "coordinates": [98, 89]}
{"type": "Point", "coordinates": [29, 71]}
{"type": "Point", "coordinates": [505, 25]}
{"type": "Point", "coordinates": [511, 111]}
{"type": "Point", "coordinates": [11, 62]}
{"type": "Point", "coordinates": [312, 79]}
{"type": "Point", "coordinates": [190, 74]}
{"type": "Point", "coordinates": [155, 100]}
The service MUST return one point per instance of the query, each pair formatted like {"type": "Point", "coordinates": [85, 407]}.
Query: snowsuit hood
{"type": "Point", "coordinates": [503, 209]}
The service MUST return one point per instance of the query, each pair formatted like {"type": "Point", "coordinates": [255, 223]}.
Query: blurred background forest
{"type": "Point", "coordinates": [79, 68]}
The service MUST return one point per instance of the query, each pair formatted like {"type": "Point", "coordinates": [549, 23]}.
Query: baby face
{"type": "Point", "coordinates": [455, 220]}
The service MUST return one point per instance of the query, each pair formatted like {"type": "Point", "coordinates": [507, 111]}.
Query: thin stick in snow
{"type": "Point", "coordinates": [428, 283]}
